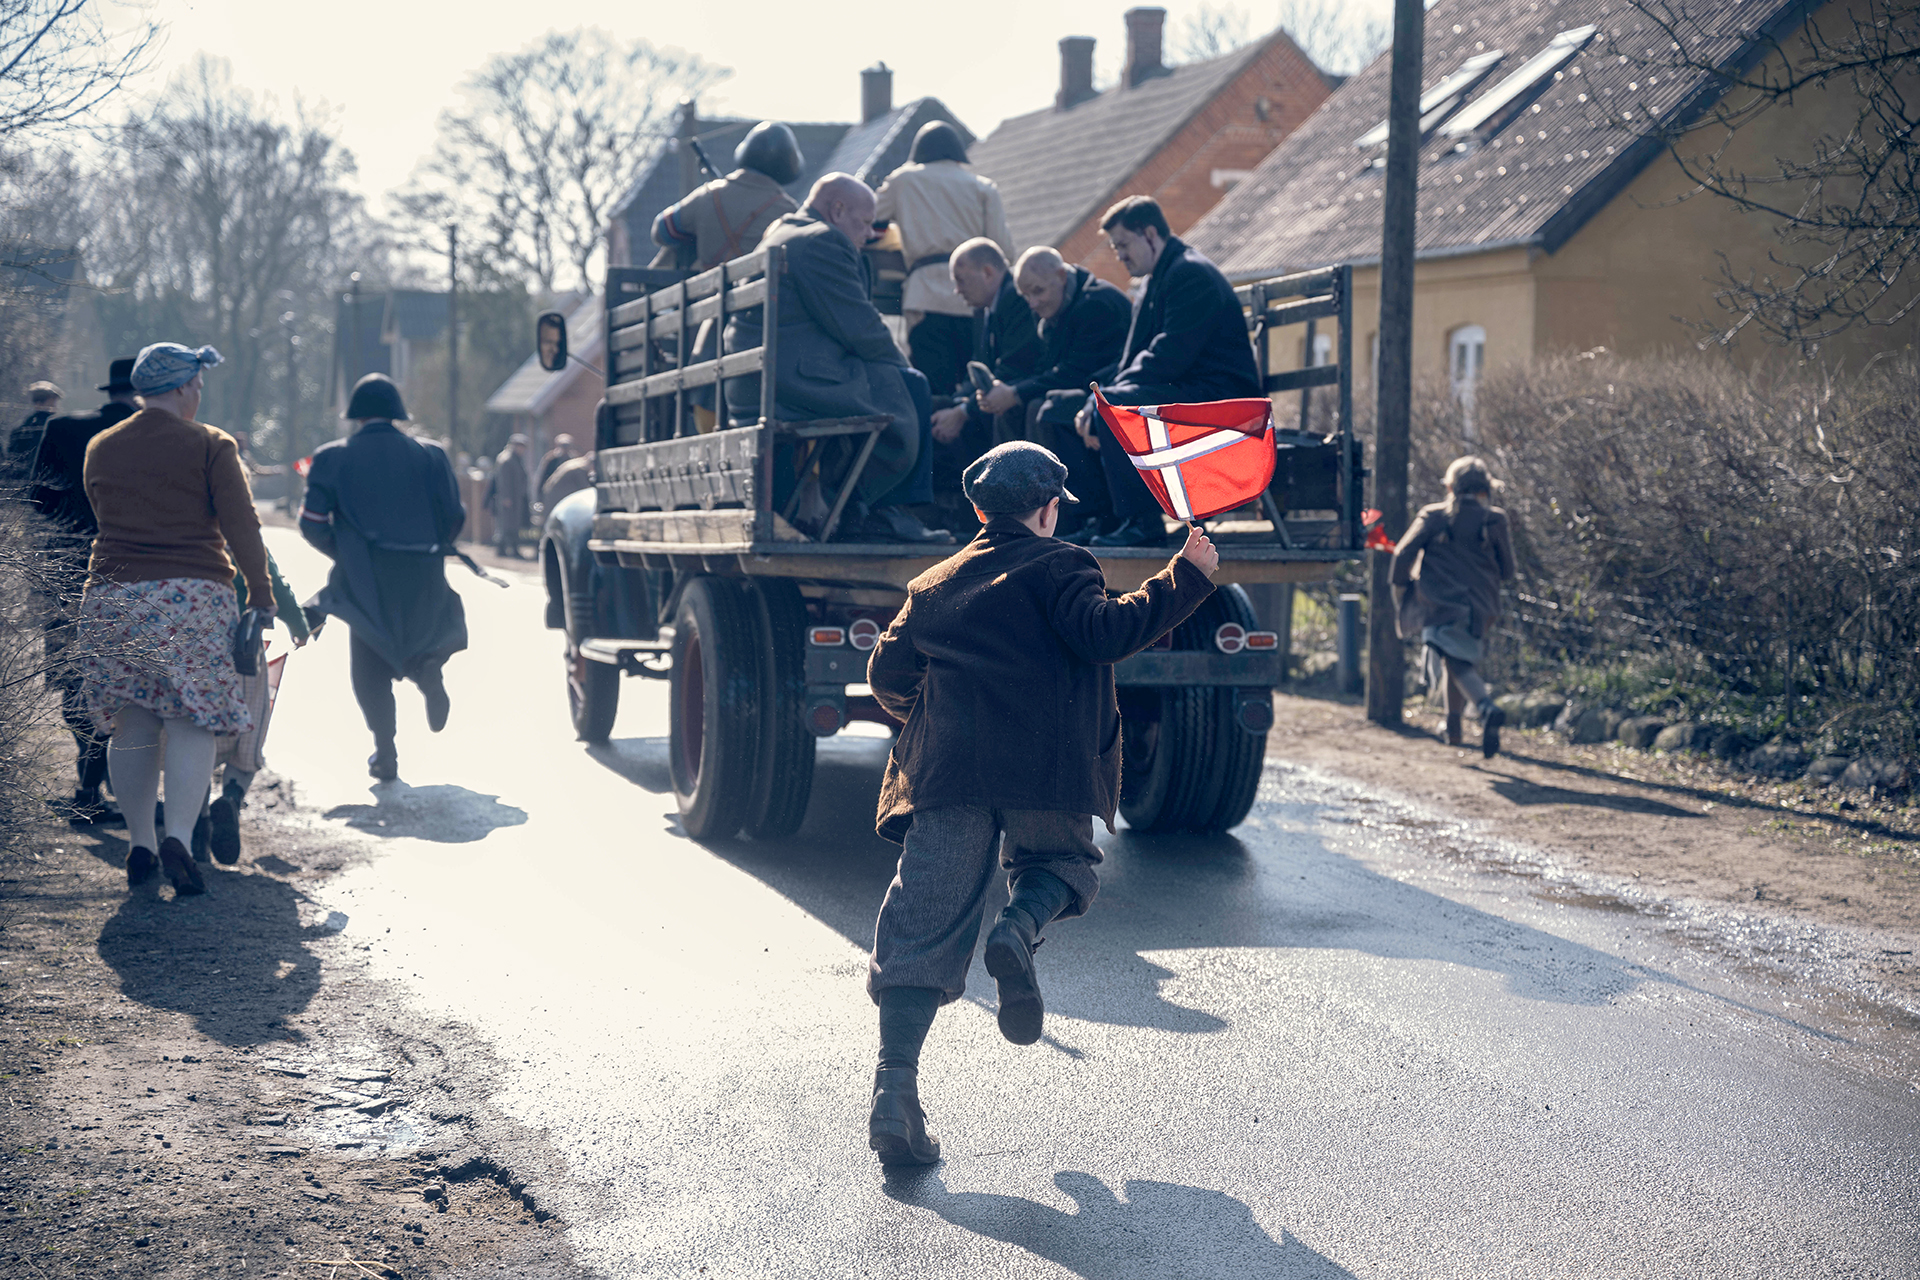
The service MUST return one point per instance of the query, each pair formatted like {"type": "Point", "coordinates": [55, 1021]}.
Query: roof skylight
{"type": "Point", "coordinates": [1436, 102]}
{"type": "Point", "coordinates": [1525, 79]}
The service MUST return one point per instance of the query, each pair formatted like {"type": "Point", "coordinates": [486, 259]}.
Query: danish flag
{"type": "Point", "coordinates": [1197, 459]}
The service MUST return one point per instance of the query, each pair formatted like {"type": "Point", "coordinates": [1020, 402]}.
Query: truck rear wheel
{"type": "Point", "coordinates": [714, 699]}
{"type": "Point", "coordinates": [1186, 764]}
{"type": "Point", "coordinates": [593, 695]}
{"type": "Point", "coordinates": [783, 773]}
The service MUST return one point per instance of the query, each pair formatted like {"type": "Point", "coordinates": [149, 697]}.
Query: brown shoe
{"type": "Point", "coordinates": [178, 864]}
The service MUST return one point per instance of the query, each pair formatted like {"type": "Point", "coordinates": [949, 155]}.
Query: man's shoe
{"type": "Point", "coordinates": [1085, 534]}
{"type": "Point", "coordinates": [1491, 718]}
{"type": "Point", "coordinates": [223, 821]}
{"type": "Point", "coordinates": [897, 524]}
{"type": "Point", "coordinates": [897, 1127]}
{"type": "Point", "coordinates": [203, 838]}
{"type": "Point", "coordinates": [142, 867]}
{"type": "Point", "coordinates": [1140, 531]}
{"type": "Point", "coordinates": [384, 764]}
{"type": "Point", "coordinates": [1010, 961]}
{"type": "Point", "coordinates": [178, 864]}
{"type": "Point", "coordinates": [434, 688]}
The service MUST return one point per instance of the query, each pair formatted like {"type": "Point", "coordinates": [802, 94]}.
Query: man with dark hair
{"type": "Point", "coordinates": [999, 668]}
{"type": "Point", "coordinates": [725, 218]}
{"type": "Point", "coordinates": [836, 359]}
{"type": "Point", "coordinates": [385, 508]}
{"type": "Point", "coordinates": [59, 495]}
{"type": "Point", "coordinates": [938, 204]}
{"type": "Point", "coordinates": [1083, 322]}
{"type": "Point", "coordinates": [1187, 344]}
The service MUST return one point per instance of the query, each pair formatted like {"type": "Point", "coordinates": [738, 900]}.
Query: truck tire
{"type": "Point", "coordinates": [714, 701]}
{"type": "Point", "coordinates": [783, 773]}
{"type": "Point", "coordinates": [1190, 767]}
{"type": "Point", "coordinates": [593, 696]}
{"type": "Point", "coordinates": [1242, 755]}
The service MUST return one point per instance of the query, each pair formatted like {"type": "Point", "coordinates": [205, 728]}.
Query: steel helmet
{"type": "Point", "coordinates": [375, 397]}
{"type": "Point", "coordinates": [770, 148]}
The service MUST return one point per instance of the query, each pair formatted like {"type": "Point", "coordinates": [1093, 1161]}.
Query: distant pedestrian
{"type": "Point", "coordinates": [568, 478]}
{"type": "Point", "coordinates": [1447, 572]}
{"type": "Point", "coordinates": [59, 494]}
{"type": "Point", "coordinates": [158, 619]}
{"type": "Point", "coordinates": [999, 667]}
{"type": "Point", "coordinates": [508, 497]}
{"type": "Point", "coordinates": [385, 508]}
{"type": "Point", "coordinates": [23, 442]}
{"type": "Point", "coordinates": [561, 451]}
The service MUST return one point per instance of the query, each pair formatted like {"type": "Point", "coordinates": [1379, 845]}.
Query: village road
{"type": "Point", "coordinates": [1308, 1048]}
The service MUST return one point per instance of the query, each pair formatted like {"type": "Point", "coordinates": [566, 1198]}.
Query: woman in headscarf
{"type": "Point", "coordinates": [159, 613]}
{"type": "Point", "coordinates": [1452, 561]}
{"type": "Point", "coordinates": [939, 205]}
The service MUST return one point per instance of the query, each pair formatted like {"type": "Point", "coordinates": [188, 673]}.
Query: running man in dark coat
{"type": "Point", "coordinates": [1000, 668]}
{"type": "Point", "coordinates": [59, 495]}
{"type": "Point", "coordinates": [1188, 344]}
{"type": "Point", "coordinates": [385, 508]}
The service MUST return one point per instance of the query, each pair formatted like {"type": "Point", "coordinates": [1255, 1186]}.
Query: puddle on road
{"type": "Point", "coordinates": [1813, 975]}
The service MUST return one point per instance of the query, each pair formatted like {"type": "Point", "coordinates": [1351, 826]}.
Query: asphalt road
{"type": "Point", "coordinates": [1313, 1047]}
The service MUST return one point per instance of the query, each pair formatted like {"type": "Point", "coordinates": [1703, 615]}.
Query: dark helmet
{"type": "Point", "coordinates": [938, 140]}
{"type": "Point", "coordinates": [770, 148]}
{"type": "Point", "coordinates": [375, 396]}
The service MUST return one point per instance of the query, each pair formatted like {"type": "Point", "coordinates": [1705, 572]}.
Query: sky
{"type": "Point", "coordinates": [387, 68]}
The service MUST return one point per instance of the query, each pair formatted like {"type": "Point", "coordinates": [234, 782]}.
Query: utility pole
{"type": "Point", "coordinates": [352, 361]}
{"type": "Point", "coordinates": [453, 332]}
{"type": "Point", "coordinates": [1386, 664]}
{"type": "Point", "coordinates": [290, 431]}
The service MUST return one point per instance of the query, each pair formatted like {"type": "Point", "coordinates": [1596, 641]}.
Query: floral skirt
{"type": "Point", "coordinates": [166, 645]}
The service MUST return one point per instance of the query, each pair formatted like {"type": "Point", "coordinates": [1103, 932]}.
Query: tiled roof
{"type": "Point", "coordinates": [1535, 171]}
{"type": "Point", "coordinates": [875, 149]}
{"type": "Point", "coordinates": [531, 389]}
{"type": "Point", "coordinates": [1054, 168]}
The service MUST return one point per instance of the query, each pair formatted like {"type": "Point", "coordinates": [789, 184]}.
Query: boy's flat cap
{"type": "Point", "coordinates": [1015, 478]}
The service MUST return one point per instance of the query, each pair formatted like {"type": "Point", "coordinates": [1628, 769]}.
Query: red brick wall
{"type": "Point", "coordinates": [1227, 134]}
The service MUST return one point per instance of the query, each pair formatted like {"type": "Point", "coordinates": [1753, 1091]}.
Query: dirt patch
{"type": "Point", "coordinates": [213, 1087]}
{"type": "Point", "coordinates": [1680, 825]}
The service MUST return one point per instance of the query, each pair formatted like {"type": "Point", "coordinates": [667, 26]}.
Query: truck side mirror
{"type": "Point", "coordinates": [551, 335]}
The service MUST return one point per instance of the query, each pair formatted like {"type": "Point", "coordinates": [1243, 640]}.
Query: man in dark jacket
{"type": "Point", "coordinates": [385, 508]}
{"type": "Point", "coordinates": [23, 442]}
{"type": "Point", "coordinates": [1187, 344]}
{"type": "Point", "coordinates": [1007, 342]}
{"type": "Point", "coordinates": [58, 494]}
{"type": "Point", "coordinates": [1083, 322]}
{"type": "Point", "coordinates": [999, 667]}
{"type": "Point", "coordinates": [836, 359]}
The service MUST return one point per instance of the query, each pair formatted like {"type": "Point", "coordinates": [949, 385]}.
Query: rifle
{"type": "Point", "coordinates": [700, 154]}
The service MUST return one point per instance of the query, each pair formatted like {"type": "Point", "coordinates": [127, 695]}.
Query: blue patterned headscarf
{"type": "Point", "coordinates": [165, 366]}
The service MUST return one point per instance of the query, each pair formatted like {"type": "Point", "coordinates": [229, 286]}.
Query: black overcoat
{"type": "Point", "coordinates": [58, 493]}
{"type": "Point", "coordinates": [1188, 342]}
{"type": "Point", "coordinates": [1086, 337]}
{"type": "Point", "coordinates": [1000, 666]}
{"type": "Point", "coordinates": [386, 508]}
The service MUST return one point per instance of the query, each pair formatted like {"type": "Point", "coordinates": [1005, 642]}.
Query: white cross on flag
{"type": "Point", "coordinates": [1198, 459]}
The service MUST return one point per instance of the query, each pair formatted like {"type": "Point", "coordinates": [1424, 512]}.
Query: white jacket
{"type": "Point", "coordinates": [937, 207]}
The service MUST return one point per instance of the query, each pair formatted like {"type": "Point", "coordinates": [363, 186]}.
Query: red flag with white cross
{"type": "Point", "coordinates": [1198, 459]}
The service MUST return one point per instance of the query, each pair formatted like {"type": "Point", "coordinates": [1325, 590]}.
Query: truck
{"type": "Point", "coordinates": [677, 566]}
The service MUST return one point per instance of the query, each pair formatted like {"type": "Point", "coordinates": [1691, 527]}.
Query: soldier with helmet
{"type": "Point", "coordinates": [385, 508]}
{"type": "Point", "coordinates": [726, 217]}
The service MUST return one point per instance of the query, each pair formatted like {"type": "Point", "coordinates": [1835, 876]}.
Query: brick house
{"type": "Point", "coordinates": [1183, 135]}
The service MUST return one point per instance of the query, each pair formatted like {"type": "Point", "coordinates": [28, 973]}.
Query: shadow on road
{"type": "Point", "coordinates": [1159, 1229]}
{"type": "Point", "coordinates": [1520, 791]}
{"type": "Point", "coordinates": [641, 761]}
{"type": "Point", "coordinates": [236, 960]}
{"type": "Point", "coordinates": [444, 813]}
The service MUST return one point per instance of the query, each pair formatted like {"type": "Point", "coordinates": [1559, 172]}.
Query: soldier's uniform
{"type": "Point", "coordinates": [725, 218]}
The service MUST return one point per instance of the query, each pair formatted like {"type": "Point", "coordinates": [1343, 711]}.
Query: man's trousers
{"type": "Point", "coordinates": [931, 918]}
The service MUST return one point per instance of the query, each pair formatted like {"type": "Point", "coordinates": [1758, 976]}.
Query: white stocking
{"type": "Point", "coordinates": [133, 762]}
{"type": "Point", "coordinates": [190, 753]}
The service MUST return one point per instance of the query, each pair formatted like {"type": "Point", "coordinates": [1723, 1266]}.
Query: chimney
{"type": "Point", "coordinates": [1076, 72]}
{"type": "Point", "coordinates": [1144, 28]}
{"type": "Point", "coordinates": [876, 92]}
{"type": "Point", "coordinates": [688, 126]}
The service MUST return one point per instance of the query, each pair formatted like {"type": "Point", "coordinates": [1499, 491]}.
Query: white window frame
{"type": "Point", "coordinates": [1559, 51]}
{"type": "Point", "coordinates": [1466, 361]}
{"type": "Point", "coordinates": [1436, 102]}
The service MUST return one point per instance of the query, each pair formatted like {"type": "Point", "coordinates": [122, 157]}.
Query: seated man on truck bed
{"type": "Point", "coordinates": [1188, 344]}
{"type": "Point", "coordinates": [835, 359]}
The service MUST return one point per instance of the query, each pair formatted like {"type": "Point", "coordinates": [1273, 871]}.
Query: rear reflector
{"type": "Point", "coordinates": [1231, 637]}
{"type": "Point", "coordinates": [1265, 641]}
{"type": "Point", "coordinates": [864, 634]}
{"type": "Point", "coordinates": [826, 636]}
{"type": "Point", "coordinates": [824, 719]}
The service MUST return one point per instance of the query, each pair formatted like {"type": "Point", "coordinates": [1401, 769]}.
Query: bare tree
{"type": "Point", "coordinates": [216, 220]}
{"type": "Point", "coordinates": [1844, 201]}
{"type": "Point", "coordinates": [1208, 32]}
{"type": "Point", "coordinates": [1338, 37]}
{"type": "Point", "coordinates": [59, 59]}
{"type": "Point", "coordinates": [550, 137]}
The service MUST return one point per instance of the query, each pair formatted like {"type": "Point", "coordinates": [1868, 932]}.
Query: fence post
{"type": "Point", "coordinates": [1349, 641]}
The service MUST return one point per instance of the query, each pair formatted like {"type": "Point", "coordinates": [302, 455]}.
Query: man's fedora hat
{"type": "Point", "coordinates": [119, 378]}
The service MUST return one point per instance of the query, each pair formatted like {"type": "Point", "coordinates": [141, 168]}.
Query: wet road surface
{"type": "Point", "coordinates": [1308, 1048]}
